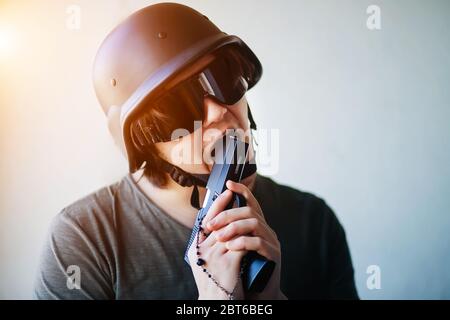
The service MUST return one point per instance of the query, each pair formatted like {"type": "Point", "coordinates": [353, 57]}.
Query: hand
{"type": "Point", "coordinates": [223, 264]}
{"type": "Point", "coordinates": [245, 229]}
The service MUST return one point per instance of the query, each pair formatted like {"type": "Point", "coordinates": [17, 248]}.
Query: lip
{"type": "Point", "coordinates": [208, 147]}
{"type": "Point", "coordinates": [216, 137]}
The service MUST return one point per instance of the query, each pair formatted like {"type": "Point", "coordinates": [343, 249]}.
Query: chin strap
{"type": "Point", "coordinates": [186, 179]}
{"type": "Point", "coordinates": [250, 118]}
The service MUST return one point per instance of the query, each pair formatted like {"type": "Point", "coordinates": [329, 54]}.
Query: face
{"type": "Point", "coordinates": [193, 151]}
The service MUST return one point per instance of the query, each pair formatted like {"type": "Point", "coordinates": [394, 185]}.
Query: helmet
{"type": "Point", "coordinates": [147, 50]}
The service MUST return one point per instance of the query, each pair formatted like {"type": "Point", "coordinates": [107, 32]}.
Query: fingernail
{"type": "Point", "coordinates": [211, 223]}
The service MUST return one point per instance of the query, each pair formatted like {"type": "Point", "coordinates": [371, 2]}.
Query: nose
{"type": "Point", "coordinates": [214, 111]}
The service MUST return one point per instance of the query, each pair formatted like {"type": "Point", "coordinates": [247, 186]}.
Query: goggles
{"type": "Point", "coordinates": [224, 80]}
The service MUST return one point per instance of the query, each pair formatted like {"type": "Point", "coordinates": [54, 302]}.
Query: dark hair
{"type": "Point", "coordinates": [144, 144]}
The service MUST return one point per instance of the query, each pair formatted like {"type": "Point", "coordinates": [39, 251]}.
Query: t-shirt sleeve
{"type": "Point", "coordinates": [341, 283]}
{"type": "Point", "coordinates": [71, 266]}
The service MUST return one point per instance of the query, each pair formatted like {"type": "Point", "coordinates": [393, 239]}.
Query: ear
{"type": "Point", "coordinates": [114, 127]}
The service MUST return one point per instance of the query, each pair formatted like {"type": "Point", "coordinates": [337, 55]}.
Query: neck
{"type": "Point", "coordinates": [174, 199]}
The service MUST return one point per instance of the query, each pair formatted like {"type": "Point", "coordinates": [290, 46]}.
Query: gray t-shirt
{"type": "Point", "coordinates": [120, 245]}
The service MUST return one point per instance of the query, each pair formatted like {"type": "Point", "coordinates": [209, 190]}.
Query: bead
{"type": "Point", "coordinates": [200, 262]}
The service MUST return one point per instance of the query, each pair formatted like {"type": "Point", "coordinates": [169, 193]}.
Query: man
{"type": "Point", "coordinates": [157, 75]}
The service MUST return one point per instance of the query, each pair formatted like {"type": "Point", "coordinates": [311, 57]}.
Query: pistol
{"type": "Point", "coordinates": [229, 165]}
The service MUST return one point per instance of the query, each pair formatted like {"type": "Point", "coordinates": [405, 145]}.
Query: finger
{"type": "Point", "coordinates": [210, 240]}
{"type": "Point", "coordinates": [246, 193]}
{"type": "Point", "coordinates": [250, 226]}
{"type": "Point", "coordinates": [238, 228]}
{"type": "Point", "coordinates": [218, 249]}
{"type": "Point", "coordinates": [218, 205]}
{"type": "Point", "coordinates": [203, 248]}
{"type": "Point", "coordinates": [211, 252]}
{"type": "Point", "coordinates": [248, 243]}
{"type": "Point", "coordinates": [235, 254]}
{"type": "Point", "coordinates": [226, 217]}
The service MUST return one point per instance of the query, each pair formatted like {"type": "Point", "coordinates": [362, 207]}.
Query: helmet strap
{"type": "Point", "coordinates": [186, 179]}
{"type": "Point", "coordinates": [250, 118]}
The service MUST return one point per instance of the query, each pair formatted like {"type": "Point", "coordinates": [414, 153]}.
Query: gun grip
{"type": "Point", "coordinates": [257, 273]}
{"type": "Point", "coordinates": [258, 270]}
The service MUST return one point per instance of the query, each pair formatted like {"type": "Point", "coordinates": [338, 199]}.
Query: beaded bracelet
{"type": "Point", "coordinates": [202, 264]}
